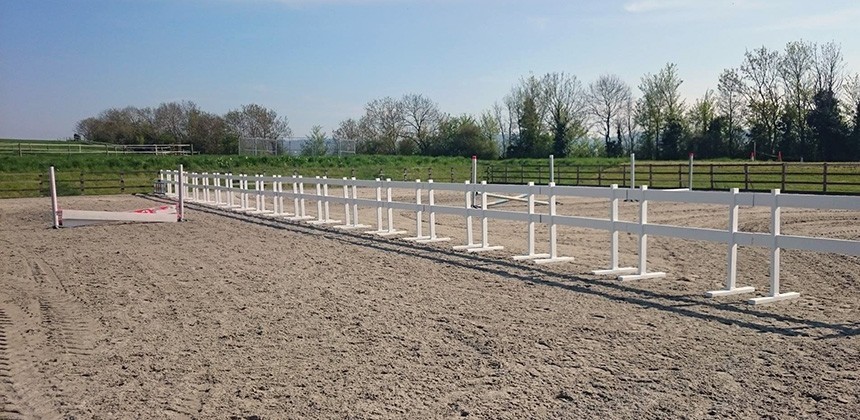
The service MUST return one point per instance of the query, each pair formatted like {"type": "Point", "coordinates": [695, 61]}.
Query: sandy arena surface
{"type": "Point", "coordinates": [229, 316]}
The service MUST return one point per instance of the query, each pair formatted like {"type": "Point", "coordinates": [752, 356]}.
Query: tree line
{"type": "Point", "coordinates": [184, 122]}
{"type": "Point", "coordinates": [796, 104]}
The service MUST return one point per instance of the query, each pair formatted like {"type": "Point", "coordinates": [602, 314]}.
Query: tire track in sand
{"type": "Point", "coordinates": [23, 392]}
{"type": "Point", "coordinates": [67, 326]}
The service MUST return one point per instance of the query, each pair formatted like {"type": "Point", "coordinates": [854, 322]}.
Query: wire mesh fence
{"type": "Point", "coordinates": [294, 146]}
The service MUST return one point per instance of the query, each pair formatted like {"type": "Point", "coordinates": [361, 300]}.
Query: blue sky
{"type": "Point", "coordinates": [320, 61]}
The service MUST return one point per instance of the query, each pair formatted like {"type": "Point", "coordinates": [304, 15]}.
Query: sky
{"type": "Point", "coordinates": [318, 62]}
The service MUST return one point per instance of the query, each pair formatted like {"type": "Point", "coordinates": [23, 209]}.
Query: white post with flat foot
{"type": "Point", "coordinates": [732, 260]}
{"type": "Point", "coordinates": [419, 216]}
{"type": "Point", "coordinates": [485, 234]}
{"type": "Point", "coordinates": [643, 244]}
{"type": "Point", "coordinates": [531, 229]}
{"type": "Point", "coordinates": [431, 201]}
{"type": "Point", "coordinates": [553, 236]}
{"type": "Point", "coordinates": [614, 263]}
{"type": "Point", "coordinates": [775, 222]}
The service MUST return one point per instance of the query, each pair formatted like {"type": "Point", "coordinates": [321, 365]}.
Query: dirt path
{"type": "Point", "coordinates": [237, 316]}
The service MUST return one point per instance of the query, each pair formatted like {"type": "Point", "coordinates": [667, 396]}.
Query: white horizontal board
{"type": "Point", "coordinates": [72, 218]}
{"type": "Point", "coordinates": [836, 246]}
{"type": "Point", "coordinates": [695, 234]}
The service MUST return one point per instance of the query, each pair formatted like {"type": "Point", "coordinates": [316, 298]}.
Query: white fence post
{"type": "Point", "coordinates": [553, 236]}
{"type": "Point", "coordinates": [390, 211]}
{"type": "Point", "coordinates": [323, 216]}
{"type": "Point", "coordinates": [379, 228]}
{"type": "Point", "coordinates": [632, 171]}
{"type": "Point", "coordinates": [431, 201]}
{"type": "Point", "coordinates": [55, 210]}
{"type": "Point", "coordinates": [643, 243]}
{"type": "Point", "coordinates": [181, 193]}
{"type": "Point", "coordinates": [775, 228]}
{"type": "Point", "coordinates": [614, 262]}
{"type": "Point", "coordinates": [531, 228]}
{"type": "Point", "coordinates": [470, 236]}
{"type": "Point", "coordinates": [419, 216]}
{"type": "Point", "coordinates": [485, 241]}
{"type": "Point", "coordinates": [230, 185]}
{"type": "Point", "coordinates": [732, 259]}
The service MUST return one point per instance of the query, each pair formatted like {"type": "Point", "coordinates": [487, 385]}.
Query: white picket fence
{"type": "Point", "coordinates": [235, 192]}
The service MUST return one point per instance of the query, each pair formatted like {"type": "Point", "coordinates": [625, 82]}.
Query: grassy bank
{"type": "Point", "coordinates": [23, 176]}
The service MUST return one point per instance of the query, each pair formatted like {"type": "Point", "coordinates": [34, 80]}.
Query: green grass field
{"type": "Point", "coordinates": [26, 175]}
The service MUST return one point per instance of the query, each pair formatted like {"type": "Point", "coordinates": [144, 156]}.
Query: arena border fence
{"type": "Point", "coordinates": [233, 192]}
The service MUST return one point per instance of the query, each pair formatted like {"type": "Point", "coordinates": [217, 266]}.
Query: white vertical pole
{"type": "Point", "coordinates": [553, 251]}
{"type": "Point", "coordinates": [643, 237]}
{"type": "Point", "coordinates": [431, 201]}
{"type": "Point", "coordinates": [296, 199]}
{"type": "Point", "coordinates": [419, 215]}
{"type": "Point", "coordinates": [55, 211]}
{"type": "Point", "coordinates": [194, 193]}
{"type": "Point", "coordinates": [205, 187]}
{"type": "Point", "coordinates": [474, 178]}
{"type": "Point", "coordinates": [261, 196]}
{"type": "Point", "coordinates": [613, 235]}
{"type": "Point", "coordinates": [325, 198]}
{"type": "Point", "coordinates": [531, 208]}
{"type": "Point", "coordinates": [276, 210]}
{"type": "Point", "coordinates": [775, 231]}
{"type": "Point", "coordinates": [230, 186]}
{"type": "Point", "coordinates": [633, 170]}
{"type": "Point", "coordinates": [354, 204]}
{"type": "Point", "coordinates": [388, 200]}
{"type": "Point", "coordinates": [218, 189]}
{"type": "Point", "coordinates": [552, 169]}
{"type": "Point", "coordinates": [346, 217]}
{"type": "Point", "coordinates": [280, 196]}
{"type": "Point", "coordinates": [378, 205]}
{"type": "Point", "coordinates": [243, 191]}
{"type": "Point", "coordinates": [319, 200]}
{"type": "Point", "coordinates": [614, 262]}
{"type": "Point", "coordinates": [180, 213]}
{"type": "Point", "coordinates": [302, 199]}
{"type": "Point", "coordinates": [775, 223]}
{"type": "Point", "coordinates": [470, 237]}
{"type": "Point", "coordinates": [690, 177]}
{"type": "Point", "coordinates": [485, 240]}
{"type": "Point", "coordinates": [732, 269]}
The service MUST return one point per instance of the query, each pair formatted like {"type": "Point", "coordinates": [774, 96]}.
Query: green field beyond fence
{"type": "Point", "coordinates": [43, 147]}
{"type": "Point", "coordinates": [26, 176]}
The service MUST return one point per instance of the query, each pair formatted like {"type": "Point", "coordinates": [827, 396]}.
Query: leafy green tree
{"type": "Point", "coordinates": [829, 128]}
{"type": "Point", "coordinates": [565, 103]}
{"type": "Point", "coordinates": [660, 104]}
{"type": "Point", "coordinates": [530, 141]}
{"type": "Point", "coordinates": [796, 72]}
{"type": "Point", "coordinates": [854, 141]}
{"type": "Point", "coordinates": [257, 121]}
{"type": "Point", "coordinates": [761, 71]}
{"type": "Point", "coordinates": [315, 144]}
{"type": "Point", "coordinates": [732, 106]}
{"type": "Point", "coordinates": [700, 116]}
{"type": "Point", "coordinates": [463, 136]}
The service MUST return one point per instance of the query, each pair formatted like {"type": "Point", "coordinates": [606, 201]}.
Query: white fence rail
{"type": "Point", "coordinates": [235, 192]}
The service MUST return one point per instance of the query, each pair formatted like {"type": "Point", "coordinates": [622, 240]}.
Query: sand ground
{"type": "Point", "coordinates": [228, 316]}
